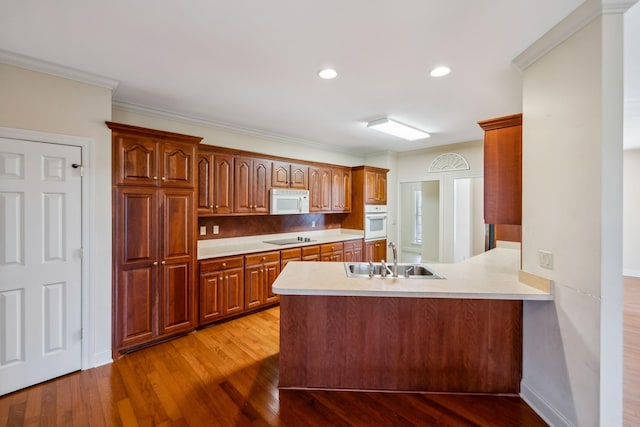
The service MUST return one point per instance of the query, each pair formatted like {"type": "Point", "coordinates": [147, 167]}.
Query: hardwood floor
{"type": "Point", "coordinates": [227, 375]}
{"type": "Point", "coordinates": [631, 402]}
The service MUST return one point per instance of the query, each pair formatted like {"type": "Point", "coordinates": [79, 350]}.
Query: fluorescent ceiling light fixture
{"type": "Point", "coordinates": [440, 71]}
{"type": "Point", "coordinates": [398, 129]}
{"type": "Point", "coordinates": [327, 74]}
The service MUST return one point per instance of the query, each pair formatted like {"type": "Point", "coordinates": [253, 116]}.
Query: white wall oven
{"type": "Point", "coordinates": [375, 222]}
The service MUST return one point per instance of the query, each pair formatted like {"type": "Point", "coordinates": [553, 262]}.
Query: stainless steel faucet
{"type": "Point", "coordinates": [395, 259]}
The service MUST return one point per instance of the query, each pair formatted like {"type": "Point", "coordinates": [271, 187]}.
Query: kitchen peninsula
{"type": "Point", "coordinates": [462, 333]}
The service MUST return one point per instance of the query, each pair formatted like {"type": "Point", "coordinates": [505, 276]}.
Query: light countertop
{"type": "Point", "coordinates": [214, 248]}
{"type": "Point", "coordinates": [491, 275]}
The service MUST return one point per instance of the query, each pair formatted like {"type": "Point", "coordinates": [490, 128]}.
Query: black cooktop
{"type": "Point", "coordinates": [289, 241]}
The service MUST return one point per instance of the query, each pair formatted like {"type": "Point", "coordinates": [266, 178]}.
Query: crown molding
{"type": "Point", "coordinates": [578, 19]}
{"type": "Point", "coordinates": [39, 65]}
{"type": "Point", "coordinates": [232, 127]}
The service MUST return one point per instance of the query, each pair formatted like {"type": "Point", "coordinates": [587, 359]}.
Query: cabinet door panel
{"type": "Point", "coordinates": [210, 291]}
{"type": "Point", "coordinates": [253, 286]}
{"type": "Point", "coordinates": [177, 166]}
{"type": "Point", "coordinates": [271, 271]}
{"type": "Point", "coordinates": [134, 305]}
{"type": "Point", "coordinates": [177, 224]}
{"type": "Point", "coordinates": [135, 160]}
{"type": "Point", "coordinates": [175, 298]}
{"type": "Point", "coordinates": [242, 185]}
{"type": "Point", "coordinates": [233, 291]}
{"type": "Point", "coordinates": [260, 185]}
{"type": "Point", "coordinates": [223, 184]}
{"type": "Point", "coordinates": [205, 183]}
{"type": "Point", "coordinates": [299, 176]}
{"type": "Point", "coordinates": [280, 174]}
{"type": "Point", "coordinates": [135, 225]}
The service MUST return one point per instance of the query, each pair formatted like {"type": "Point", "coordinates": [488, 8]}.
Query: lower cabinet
{"type": "Point", "coordinates": [260, 271]}
{"type": "Point", "coordinates": [332, 252]}
{"type": "Point", "coordinates": [375, 250]}
{"type": "Point", "coordinates": [353, 251]}
{"type": "Point", "coordinates": [286, 255]}
{"type": "Point", "coordinates": [221, 288]}
{"type": "Point", "coordinates": [311, 253]}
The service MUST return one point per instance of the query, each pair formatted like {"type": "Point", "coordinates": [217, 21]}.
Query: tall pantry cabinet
{"type": "Point", "coordinates": [154, 234]}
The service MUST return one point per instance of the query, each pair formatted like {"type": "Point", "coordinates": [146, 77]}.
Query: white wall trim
{"type": "Point", "coordinates": [88, 208]}
{"type": "Point", "coordinates": [631, 273]}
{"type": "Point", "coordinates": [34, 64]}
{"type": "Point", "coordinates": [543, 408]}
{"type": "Point", "coordinates": [577, 20]}
{"type": "Point", "coordinates": [231, 127]}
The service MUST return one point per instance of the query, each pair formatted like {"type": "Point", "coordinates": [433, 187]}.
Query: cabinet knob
{"type": "Point", "coordinates": [155, 178]}
{"type": "Point", "coordinates": [163, 262]}
{"type": "Point", "coordinates": [163, 178]}
{"type": "Point", "coordinates": [264, 258]}
{"type": "Point", "coordinates": [211, 207]}
{"type": "Point", "coordinates": [226, 277]}
{"type": "Point", "coordinates": [155, 262]}
{"type": "Point", "coordinates": [217, 206]}
{"type": "Point", "coordinates": [224, 264]}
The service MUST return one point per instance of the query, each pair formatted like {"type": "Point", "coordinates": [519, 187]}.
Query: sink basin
{"type": "Point", "coordinates": [405, 271]}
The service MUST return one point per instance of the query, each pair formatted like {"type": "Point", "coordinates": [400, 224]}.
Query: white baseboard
{"type": "Point", "coordinates": [102, 358]}
{"type": "Point", "coordinates": [543, 408]}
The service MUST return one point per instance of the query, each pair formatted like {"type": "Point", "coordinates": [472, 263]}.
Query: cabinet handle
{"type": "Point", "coordinates": [155, 263]}
{"type": "Point", "coordinates": [163, 262]}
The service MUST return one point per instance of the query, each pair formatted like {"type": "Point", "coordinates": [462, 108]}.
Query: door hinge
{"type": "Point", "coordinates": [76, 166]}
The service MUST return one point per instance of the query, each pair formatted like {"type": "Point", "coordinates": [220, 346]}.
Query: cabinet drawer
{"type": "Point", "coordinates": [310, 250]}
{"type": "Point", "coordinates": [221, 264]}
{"type": "Point", "coordinates": [331, 247]}
{"type": "Point", "coordinates": [290, 254]}
{"type": "Point", "coordinates": [353, 244]}
{"type": "Point", "coordinates": [262, 257]}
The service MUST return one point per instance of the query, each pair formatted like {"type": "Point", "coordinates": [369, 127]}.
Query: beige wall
{"type": "Point", "coordinates": [223, 138]}
{"type": "Point", "coordinates": [413, 166]}
{"type": "Point", "coordinates": [41, 102]}
{"type": "Point", "coordinates": [572, 206]}
{"type": "Point", "coordinates": [631, 224]}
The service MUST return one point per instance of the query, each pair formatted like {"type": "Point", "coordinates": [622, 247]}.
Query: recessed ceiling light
{"type": "Point", "coordinates": [398, 129]}
{"type": "Point", "coordinates": [327, 73]}
{"type": "Point", "coordinates": [440, 71]}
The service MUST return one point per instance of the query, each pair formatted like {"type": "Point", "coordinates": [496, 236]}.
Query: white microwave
{"type": "Point", "coordinates": [288, 201]}
{"type": "Point", "coordinates": [375, 222]}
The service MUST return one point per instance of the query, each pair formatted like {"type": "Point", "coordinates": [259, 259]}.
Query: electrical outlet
{"type": "Point", "coordinates": [545, 259]}
{"type": "Point", "coordinates": [203, 230]}
{"type": "Point", "coordinates": [313, 223]}
{"type": "Point", "coordinates": [216, 229]}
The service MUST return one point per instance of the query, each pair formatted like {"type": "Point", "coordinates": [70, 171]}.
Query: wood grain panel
{"type": "Point", "coordinates": [227, 375]}
{"type": "Point", "coordinates": [367, 343]}
{"type": "Point", "coordinates": [631, 402]}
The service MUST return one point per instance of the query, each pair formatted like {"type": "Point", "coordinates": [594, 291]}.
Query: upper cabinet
{"type": "Point", "coordinates": [234, 182]}
{"type": "Point", "coordinates": [215, 183]}
{"type": "Point", "coordinates": [341, 189]}
{"type": "Point", "coordinates": [375, 189]}
{"type": "Point", "coordinates": [320, 189]}
{"type": "Point", "coordinates": [289, 175]}
{"type": "Point", "coordinates": [151, 160]}
{"type": "Point", "coordinates": [503, 170]}
{"type": "Point", "coordinates": [252, 181]}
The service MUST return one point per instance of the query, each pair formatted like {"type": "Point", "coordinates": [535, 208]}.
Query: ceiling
{"type": "Point", "coordinates": [251, 65]}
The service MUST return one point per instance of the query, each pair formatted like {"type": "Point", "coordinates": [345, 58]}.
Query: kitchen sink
{"type": "Point", "coordinates": [378, 270]}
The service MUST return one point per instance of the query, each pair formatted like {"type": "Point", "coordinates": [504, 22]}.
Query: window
{"type": "Point", "coordinates": [417, 217]}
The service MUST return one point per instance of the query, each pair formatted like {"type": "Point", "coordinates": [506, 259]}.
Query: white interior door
{"type": "Point", "coordinates": [40, 262]}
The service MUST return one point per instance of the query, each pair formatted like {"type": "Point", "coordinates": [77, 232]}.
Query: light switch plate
{"type": "Point", "coordinates": [216, 229]}
{"type": "Point", "coordinates": [203, 230]}
{"type": "Point", "coordinates": [545, 259]}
